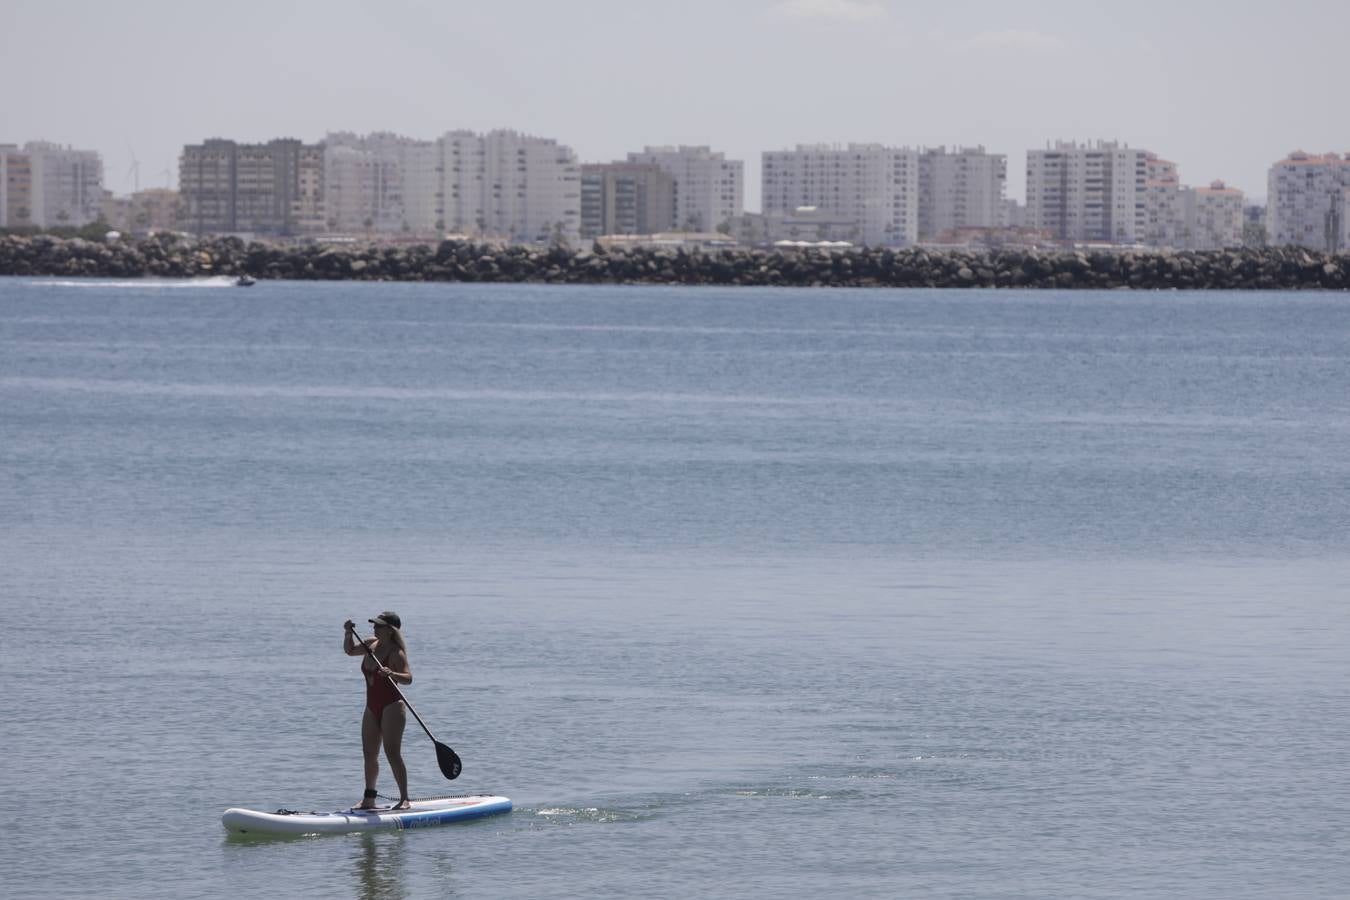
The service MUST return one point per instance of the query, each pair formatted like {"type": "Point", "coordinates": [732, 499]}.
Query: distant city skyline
{"type": "Point", "coordinates": [135, 178]}
{"type": "Point", "coordinates": [1223, 93]}
{"type": "Point", "coordinates": [505, 185]}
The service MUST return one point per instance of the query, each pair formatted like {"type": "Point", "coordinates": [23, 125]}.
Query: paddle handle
{"type": "Point", "coordinates": [374, 659]}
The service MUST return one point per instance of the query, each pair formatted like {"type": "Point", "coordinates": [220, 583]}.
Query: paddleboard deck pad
{"type": "Point", "coordinates": [423, 814]}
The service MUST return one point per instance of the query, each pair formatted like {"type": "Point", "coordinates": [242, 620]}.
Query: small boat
{"type": "Point", "coordinates": [245, 281]}
{"type": "Point", "coordinates": [423, 814]}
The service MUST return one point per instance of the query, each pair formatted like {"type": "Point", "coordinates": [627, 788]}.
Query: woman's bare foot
{"type": "Point", "coordinates": [404, 803]}
{"type": "Point", "coordinates": [368, 802]}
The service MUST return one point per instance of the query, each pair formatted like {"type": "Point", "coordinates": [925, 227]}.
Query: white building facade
{"type": "Point", "coordinates": [1308, 203]}
{"type": "Point", "coordinates": [1185, 218]}
{"type": "Point", "coordinates": [423, 186]}
{"type": "Point", "coordinates": [1162, 203]}
{"type": "Point", "coordinates": [1089, 192]}
{"type": "Point", "coordinates": [364, 181]}
{"type": "Point", "coordinates": [502, 185]}
{"type": "Point", "coordinates": [1212, 217]}
{"type": "Point", "coordinates": [961, 189]}
{"type": "Point", "coordinates": [709, 188]}
{"type": "Point", "coordinates": [510, 186]}
{"type": "Point", "coordinates": [874, 186]}
{"type": "Point", "coordinates": [48, 185]}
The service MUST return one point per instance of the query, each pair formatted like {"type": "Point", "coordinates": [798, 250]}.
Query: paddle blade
{"type": "Point", "coordinates": [448, 761]}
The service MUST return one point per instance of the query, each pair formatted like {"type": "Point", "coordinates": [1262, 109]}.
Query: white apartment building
{"type": "Point", "coordinates": [1184, 218]}
{"type": "Point", "coordinates": [1308, 203]}
{"type": "Point", "coordinates": [1092, 192]}
{"type": "Point", "coordinates": [1162, 203]}
{"type": "Point", "coordinates": [47, 185]}
{"type": "Point", "coordinates": [1211, 217]}
{"type": "Point", "coordinates": [876, 187]}
{"type": "Point", "coordinates": [364, 181]}
{"type": "Point", "coordinates": [961, 189]}
{"type": "Point", "coordinates": [512, 186]}
{"type": "Point", "coordinates": [709, 188]}
{"type": "Point", "coordinates": [423, 170]}
{"type": "Point", "coordinates": [461, 207]}
{"type": "Point", "coordinates": [500, 185]}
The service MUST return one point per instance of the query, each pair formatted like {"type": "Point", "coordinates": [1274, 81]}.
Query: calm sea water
{"type": "Point", "coordinates": [743, 593]}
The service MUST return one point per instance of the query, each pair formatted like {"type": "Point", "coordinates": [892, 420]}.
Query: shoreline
{"type": "Point", "coordinates": [1281, 268]}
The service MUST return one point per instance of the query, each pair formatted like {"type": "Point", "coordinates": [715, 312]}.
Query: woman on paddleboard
{"type": "Point", "coordinates": [386, 714]}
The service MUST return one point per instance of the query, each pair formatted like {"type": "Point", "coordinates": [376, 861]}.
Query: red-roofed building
{"type": "Point", "coordinates": [1309, 201]}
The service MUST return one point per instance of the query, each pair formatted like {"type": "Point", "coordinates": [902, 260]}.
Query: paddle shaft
{"type": "Point", "coordinates": [375, 660]}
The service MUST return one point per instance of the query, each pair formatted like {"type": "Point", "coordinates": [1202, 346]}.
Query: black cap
{"type": "Point", "coordinates": [388, 618]}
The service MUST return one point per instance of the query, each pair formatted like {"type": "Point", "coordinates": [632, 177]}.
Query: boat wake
{"type": "Point", "coordinates": [214, 281]}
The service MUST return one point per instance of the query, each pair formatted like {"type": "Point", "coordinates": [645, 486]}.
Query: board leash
{"type": "Point", "coordinates": [437, 797]}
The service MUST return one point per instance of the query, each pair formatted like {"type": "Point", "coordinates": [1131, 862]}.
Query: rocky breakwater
{"type": "Point", "coordinates": [1286, 268]}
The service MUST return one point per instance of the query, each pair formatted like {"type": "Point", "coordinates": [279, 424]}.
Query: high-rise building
{"type": "Point", "coordinates": [1088, 192]}
{"type": "Point", "coordinates": [1162, 203]}
{"type": "Point", "coordinates": [364, 181]}
{"type": "Point", "coordinates": [48, 185]}
{"type": "Point", "coordinates": [709, 188]}
{"type": "Point", "coordinates": [1308, 204]}
{"type": "Point", "coordinates": [423, 170]}
{"type": "Point", "coordinates": [275, 188]}
{"type": "Point", "coordinates": [383, 183]}
{"type": "Point", "coordinates": [1185, 218]}
{"type": "Point", "coordinates": [626, 198]}
{"type": "Point", "coordinates": [1211, 217]}
{"type": "Point", "coordinates": [961, 189]}
{"type": "Point", "coordinates": [875, 186]}
{"type": "Point", "coordinates": [512, 186]}
{"type": "Point", "coordinates": [16, 187]}
{"type": "Point", "coordinates": [206, 182]}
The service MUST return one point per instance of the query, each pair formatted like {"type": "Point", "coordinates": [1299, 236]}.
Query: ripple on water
{"type": "Point", "coordinates": [581, 815]}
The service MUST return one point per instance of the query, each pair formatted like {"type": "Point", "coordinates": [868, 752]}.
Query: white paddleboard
{"type": "Point", "coordinates": [423, 814]}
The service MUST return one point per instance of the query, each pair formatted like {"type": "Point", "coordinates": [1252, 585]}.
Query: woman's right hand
{"type": "Point", "coordinates": [349, 625]}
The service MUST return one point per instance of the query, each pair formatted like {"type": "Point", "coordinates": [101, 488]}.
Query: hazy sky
{"type": "Point", "coordinates": [1223, 92]}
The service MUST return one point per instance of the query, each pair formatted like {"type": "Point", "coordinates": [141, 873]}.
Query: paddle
{"type": "Point", "coordinates": [445, 757]}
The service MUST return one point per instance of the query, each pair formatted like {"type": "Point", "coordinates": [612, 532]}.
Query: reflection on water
{"type": "Point", "coordinates": [378, 866]}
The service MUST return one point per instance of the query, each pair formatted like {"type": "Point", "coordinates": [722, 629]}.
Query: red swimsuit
{"type": "Point", "coordinates": [380, 692]}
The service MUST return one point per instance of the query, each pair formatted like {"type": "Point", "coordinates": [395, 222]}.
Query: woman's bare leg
{"type": "Point", "coordinates": [370, 749]}
{"type": "Point", "coordinates": [395, 720]}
